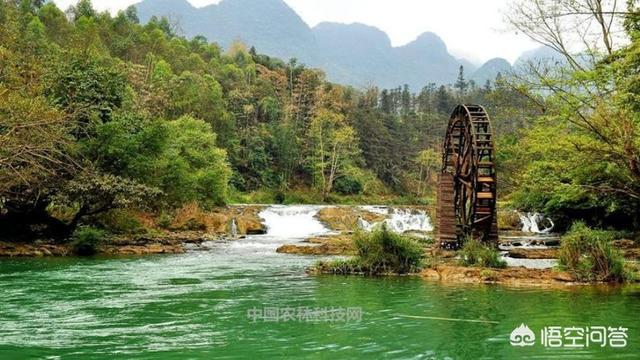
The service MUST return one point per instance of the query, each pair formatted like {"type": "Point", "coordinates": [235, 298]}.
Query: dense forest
{"type": "Point", "coordinates": [100, 112]}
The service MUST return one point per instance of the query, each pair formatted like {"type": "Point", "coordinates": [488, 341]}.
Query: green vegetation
{"type": "Point", "coordinates": [476, 253]}
{"type": "Point", "coordinates": [379, 252]}
{"type": "Point", "coordinates": [102, 113]}
{"type": "Point", "coordinates": [120, 115]}
{"type": "Point", "coordinates": [581, 160]}
{"type": "Point", "coordinates": [86, 239]}
{"type": "Point", "coordinates": [589, 256]}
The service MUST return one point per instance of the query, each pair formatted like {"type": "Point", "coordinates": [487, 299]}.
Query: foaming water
{"type": "Point", "coordinates": [530, 263]}
{"type": "Point", "coordinates": [399, 220]}
{"type": "Point", "coordinates": [297, 221]}
{"type": "Point", "coordinates": [195, 305]}
{"type": "Point", "coordinates": [536, 223]}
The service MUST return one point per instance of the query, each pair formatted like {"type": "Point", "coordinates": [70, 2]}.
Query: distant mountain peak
{"type": "Point", "coordinates": [256, 4]}
{"type": "Point", "coordinates": [355, 53]}
{"type": "Point", "coordinates": [353, 32]}
{"type": "Point", "coordinates": [431, 40]}
{"type": "Point", "coordinates": [490, 69]}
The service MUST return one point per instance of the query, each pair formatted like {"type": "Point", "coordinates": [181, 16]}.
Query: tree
{"type": "Point", "coordinates": [428, 162]}
{"type": "Point", "coordinates": [84, 8]}
{"type": "Point", "coordinates": [444, 101]}
{"type": "Point", "coordinates": [596, 174]}
{"type": "Point", "coordinates": [178, 157]}
{"type": "Point", "coordinates": [86, 87]}
{"type": "Point", "coordinates": [461, 84]}
{"type": "Point", "coordinates": [36, 153]}
{"type": "Point", "coordinates": [333, 148]}
{"type": "Point", "coordinates": [131, 14]}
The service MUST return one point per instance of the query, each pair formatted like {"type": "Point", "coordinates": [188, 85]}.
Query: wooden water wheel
{"type": "Point", "coordinates": [467, 182]}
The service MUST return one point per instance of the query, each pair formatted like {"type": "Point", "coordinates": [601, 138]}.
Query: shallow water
{"type": "Point", "coordinates": [196, 305]}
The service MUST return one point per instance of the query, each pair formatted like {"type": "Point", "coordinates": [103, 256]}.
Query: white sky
{"type": "Point", "coordinates": [473, 29]}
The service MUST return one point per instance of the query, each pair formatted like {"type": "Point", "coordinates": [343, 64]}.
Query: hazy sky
{"type": "Point", "coordinates": [471, 29]}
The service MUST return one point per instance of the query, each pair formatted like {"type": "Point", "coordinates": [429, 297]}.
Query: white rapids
{"type": "Point", "coordinates": [399, 220]}
{"type": "Point", "coordinates": [532, 222]}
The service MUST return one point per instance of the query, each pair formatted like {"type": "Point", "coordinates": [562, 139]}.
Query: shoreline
{"type": "Point", "coordinates": [169, 243]}
{"type": "Point", "coordinates": [190, 226]}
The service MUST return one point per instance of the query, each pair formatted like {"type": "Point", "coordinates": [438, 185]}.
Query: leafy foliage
{"type": "Point", "coordinates": [582, 159]}
{"type": "Point", "coordinates": [589, 255]}
{"type": "Point", "coordinates": [475, 253]}
{"type": "Point", "coordinates": [348, 185]}
{"type": "Point", "coordinates": [379, 252]}
{"type": "Point", "coordinates": [86, 239]}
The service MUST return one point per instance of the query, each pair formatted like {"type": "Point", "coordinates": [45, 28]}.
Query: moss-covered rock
{"type": "Point", "coordinates": [322, 245]}
{"type": "Point", "coordinates": [345, 218]}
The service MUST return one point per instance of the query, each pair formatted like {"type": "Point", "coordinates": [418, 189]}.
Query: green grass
{"type": "Point", "coordinates": [588, 254]}
{"type": "Point", "coordinates": [475, 253]}
{"type": "Point", "coordinates": [379, 252]}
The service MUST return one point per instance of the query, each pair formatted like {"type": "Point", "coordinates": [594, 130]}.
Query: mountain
{"type": "Point", "coordinates": [542, 53]}
{"type": "Point", "coordinates": [490, 70]}
{"type": "Point", "coordinates": [255, 22]}
{"type": "Point", "coordinates": [354, 54]}
{"type": "Point", "coordinates": [426, 60]}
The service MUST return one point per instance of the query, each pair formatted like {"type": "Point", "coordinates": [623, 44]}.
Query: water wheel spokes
{"type": "Point", "coordinates": [467, 182]}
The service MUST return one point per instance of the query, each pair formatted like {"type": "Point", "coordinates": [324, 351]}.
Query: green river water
{"type": "Point", "coordinates": [196, 305]}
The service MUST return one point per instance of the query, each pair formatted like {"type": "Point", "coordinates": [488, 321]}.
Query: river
{"type": "Point", "coordinates": [207, 304]}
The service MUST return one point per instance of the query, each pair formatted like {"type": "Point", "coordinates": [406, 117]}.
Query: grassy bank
{"type": "Point", "coordinates": [378, 252]}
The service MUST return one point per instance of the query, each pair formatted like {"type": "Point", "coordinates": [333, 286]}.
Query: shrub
{"type": "Point", "coordinates": [379, 252]}
{"type": "Point", "coordinates": [509, 220]}
{"type": "Point", "coordinates": [120, 221]}
{"type": "Point", "coordinates": [194, 225]}
{"type": "Point", "coordinates": [339, 267]}
{"type": "Point", "coordinates": [588, 254]}
{"type": "Point", "coordinates": [475, 253]}
{"type": "Point", "coordinates": [347, 185]}
{"type": "Point", "coordinates": [85, 240]}
{"type": "Point", "coordinates": [165, 220]}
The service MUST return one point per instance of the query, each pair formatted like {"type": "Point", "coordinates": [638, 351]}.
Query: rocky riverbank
{"type": "Point", "coordinates": [169, 243]}
{"type": "Point", "coordinates": [339, 244]}
{"type": "Point", "coordinates": [161, 233]}
{"type": "Point", "coordinates": [516, 276]}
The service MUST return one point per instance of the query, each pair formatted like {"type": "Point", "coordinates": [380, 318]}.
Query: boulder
{"type": "Point", "coordinates": [345, 218]}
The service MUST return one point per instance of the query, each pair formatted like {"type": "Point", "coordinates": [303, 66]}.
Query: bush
{"type": "Point", "coordinates": [120, 221]}
{"type": "Point", "coordinates": [85, 240]}
{"type": "Point", "coordinates": [588, 254]}
{"type": "Point", "coordinates": [509, 220]}
{"type": "Point", "coordinates": [347, 185]}
{"type": "Point", "coordinates": [379, 252]}
{"type": "Point", "coordinates": [165, 220]}
{"type": "Point", "coordinates": [339, 267]}
{"type": "Point", "coordinates": [475, 253]}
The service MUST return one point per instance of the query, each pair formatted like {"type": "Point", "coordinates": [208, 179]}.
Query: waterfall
{"type": "Point", "coordinates": [409, 220]}
{"type": "Point", "coordinates": [364, 224]}
{"type": "Point", "coordinates": [399, 220]}
{"type": "Point", "coordinates": [233, 229]}
{"type": "Point", "coordinates": [297, 221]}
{"type": "Point", "coordinates": [531, 223]}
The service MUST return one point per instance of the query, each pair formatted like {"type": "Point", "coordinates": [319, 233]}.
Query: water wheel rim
{"type": "Point", "coordinates": [468, 156]}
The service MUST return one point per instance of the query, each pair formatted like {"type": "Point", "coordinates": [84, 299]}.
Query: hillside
{"type": "Point", "coordinates": [354, 54]}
